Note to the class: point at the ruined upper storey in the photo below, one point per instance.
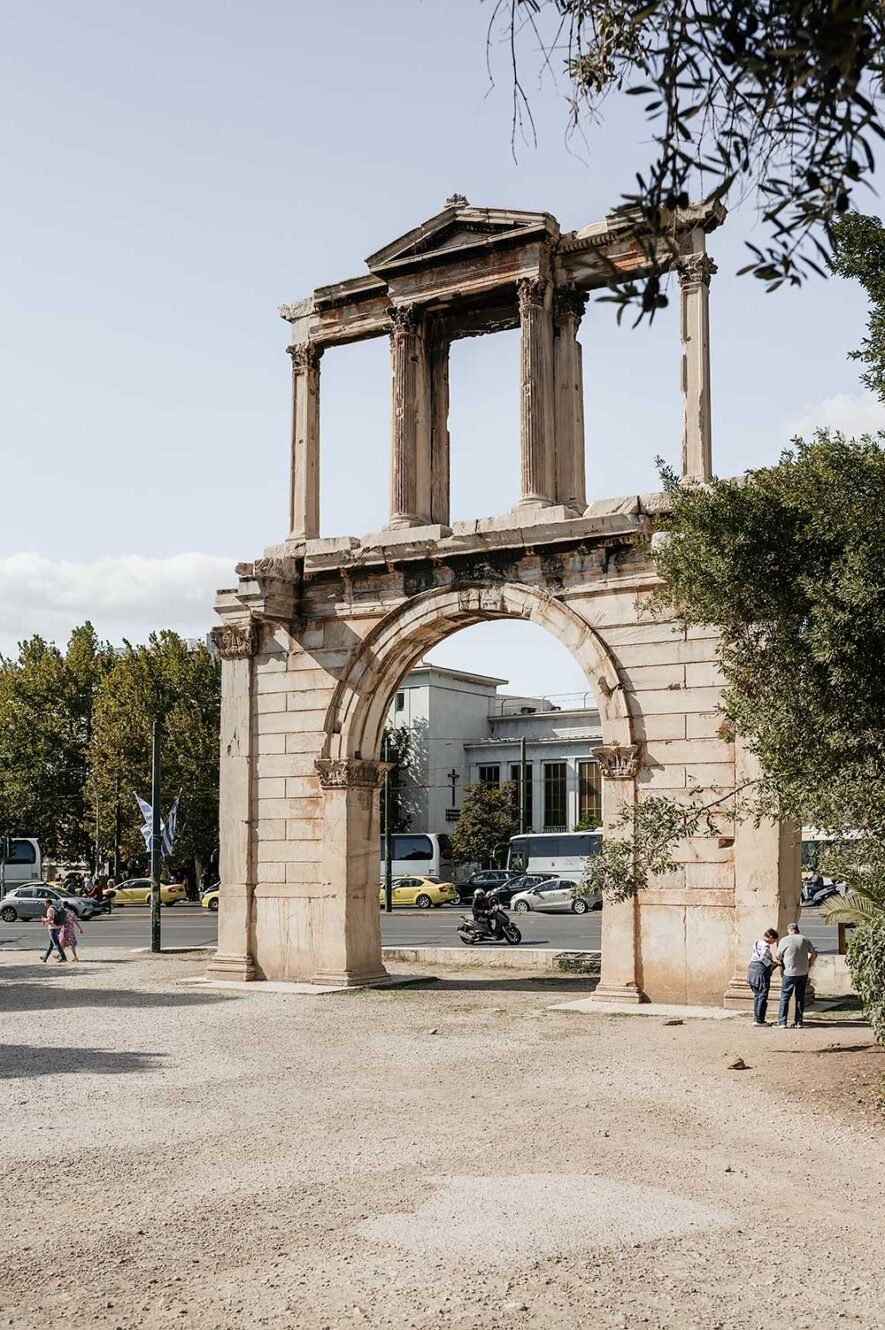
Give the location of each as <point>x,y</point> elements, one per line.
<point>470,271</point>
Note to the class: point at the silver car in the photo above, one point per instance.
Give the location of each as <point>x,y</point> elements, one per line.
<point>558,894</point>
<point>30,903</point>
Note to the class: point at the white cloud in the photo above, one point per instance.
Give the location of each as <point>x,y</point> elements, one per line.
<point>852,413</point>
<point>123,597</point>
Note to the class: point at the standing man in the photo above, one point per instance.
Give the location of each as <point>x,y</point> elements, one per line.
<point>796,955</point>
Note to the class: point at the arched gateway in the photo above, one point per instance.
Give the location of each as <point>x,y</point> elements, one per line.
<point>318,635</point>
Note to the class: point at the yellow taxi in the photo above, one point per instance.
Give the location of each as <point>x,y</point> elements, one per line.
<point>209,900</point>
<point>421,891</point>
<point>137,891</point>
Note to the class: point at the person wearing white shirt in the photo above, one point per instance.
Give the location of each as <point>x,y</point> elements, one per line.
<point>759,972</point>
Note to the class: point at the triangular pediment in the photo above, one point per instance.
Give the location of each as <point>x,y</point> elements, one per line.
<point>460,227</point>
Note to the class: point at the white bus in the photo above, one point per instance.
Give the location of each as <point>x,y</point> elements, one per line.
<point>563,853</point>
<point>426,854</point>
<point>24,865</point>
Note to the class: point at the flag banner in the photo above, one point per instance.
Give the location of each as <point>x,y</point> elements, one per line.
<point>169,828</point>
<point>147,829</point>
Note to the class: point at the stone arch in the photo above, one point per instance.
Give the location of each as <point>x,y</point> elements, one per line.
<point>356,715</point>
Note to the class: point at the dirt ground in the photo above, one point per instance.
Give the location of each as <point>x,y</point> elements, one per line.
<point>455,1155</point>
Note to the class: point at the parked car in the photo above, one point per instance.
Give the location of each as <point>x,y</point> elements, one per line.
<point>209,899</point>
<point>504,893</point>
<point>421,891</point>
<point>30,903</point>
<point>137,891</point>
<point>556,894</point>
<point>485,878</point>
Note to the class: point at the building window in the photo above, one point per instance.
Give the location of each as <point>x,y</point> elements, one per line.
<point>400,701</point>
<point>555,797</point>
<point>490,775</point>
<point>589,793</point>
<point>529,810</point>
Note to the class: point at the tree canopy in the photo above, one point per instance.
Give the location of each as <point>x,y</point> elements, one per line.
<point>782,99</point>
<point>75,736</point>
<point>489,817</point>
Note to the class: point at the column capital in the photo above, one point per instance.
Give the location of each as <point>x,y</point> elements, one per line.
<point>344,773</point>
<point>531,291</point>
<point>405,319</point>
<point>569,302</point>
<point>305,355</point>
<point>695,270</point>
<point>618,761</point>
<point>236,641</point>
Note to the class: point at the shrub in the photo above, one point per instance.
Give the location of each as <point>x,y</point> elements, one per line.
<point>866,962</point>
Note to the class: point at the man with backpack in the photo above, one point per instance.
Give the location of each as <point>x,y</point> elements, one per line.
<point>56,917</point>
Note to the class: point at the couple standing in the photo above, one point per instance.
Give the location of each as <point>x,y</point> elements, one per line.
<point>63,925</point>
<point>795,955</point>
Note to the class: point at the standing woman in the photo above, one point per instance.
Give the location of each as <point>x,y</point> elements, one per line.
<point>762,963</point>
<point>69,932</point>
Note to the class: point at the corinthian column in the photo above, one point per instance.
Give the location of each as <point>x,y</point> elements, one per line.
<point>537,439</point>
<point>695,271</point>
<point>304,492</point>
<point>410,472</point>
<point>620,978</point>
<point>568,308</point>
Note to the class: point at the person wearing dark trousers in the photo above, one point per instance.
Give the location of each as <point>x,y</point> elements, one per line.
<point>55,919</point>
<point>797,956</point>
<point>759,971</point>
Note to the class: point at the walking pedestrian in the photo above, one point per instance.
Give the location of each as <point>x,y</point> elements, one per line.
<point>54,919</point>
<point>797,955</point>
<point>759,972</point>
<point>69,932</point>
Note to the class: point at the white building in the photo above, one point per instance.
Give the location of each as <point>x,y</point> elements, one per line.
<point>464,730</point>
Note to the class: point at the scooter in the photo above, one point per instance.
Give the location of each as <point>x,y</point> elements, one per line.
<point>496,928</point>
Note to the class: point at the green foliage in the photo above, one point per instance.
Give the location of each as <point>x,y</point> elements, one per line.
<point>787,564</point>
<point>182,687</point>
<point>642,841</point>
<point>859,252</point>
<point>866,962</point>
<point>489,817</point>
<point>405,746</point>
<point>46,705</point>
<point>588,823</point>
<point>784,97</point>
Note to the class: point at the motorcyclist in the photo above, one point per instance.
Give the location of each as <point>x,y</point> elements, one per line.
<point>485,914</point>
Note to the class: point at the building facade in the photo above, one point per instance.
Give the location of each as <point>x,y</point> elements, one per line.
<point>464,730</point>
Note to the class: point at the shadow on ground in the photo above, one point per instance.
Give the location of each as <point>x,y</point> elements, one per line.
<point>499,983</point>
<point>21,1061</point>
<point>24,988</point>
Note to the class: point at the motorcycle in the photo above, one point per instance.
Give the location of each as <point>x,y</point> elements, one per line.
<point>814,895</point>
<point>496,927</point>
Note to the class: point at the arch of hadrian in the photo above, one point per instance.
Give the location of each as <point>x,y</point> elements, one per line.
<point>318,634</point>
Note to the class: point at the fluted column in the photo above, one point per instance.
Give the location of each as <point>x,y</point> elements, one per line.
<point>695,271</point>
<point>537,427</point>
<point>304,491</point>
<point>236,645</point>
<point>568,310</point>
<point>439,429</point>
<point>410,471</point>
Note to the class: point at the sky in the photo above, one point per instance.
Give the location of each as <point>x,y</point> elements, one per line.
<point>175,172</point>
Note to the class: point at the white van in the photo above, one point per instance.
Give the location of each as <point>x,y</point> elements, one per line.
<point>24,865</point>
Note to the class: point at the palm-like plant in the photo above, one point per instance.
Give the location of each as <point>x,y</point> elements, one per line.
<point>857,907</point>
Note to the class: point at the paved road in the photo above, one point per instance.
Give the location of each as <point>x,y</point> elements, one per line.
<point>188,925</point>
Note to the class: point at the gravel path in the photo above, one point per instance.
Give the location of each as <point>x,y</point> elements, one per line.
<point>447,1156</point>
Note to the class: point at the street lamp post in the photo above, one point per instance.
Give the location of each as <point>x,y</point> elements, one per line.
<point>156,846</point>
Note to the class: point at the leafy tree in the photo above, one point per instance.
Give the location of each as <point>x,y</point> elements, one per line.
<point>782,97</point>
<point>489,817</point>
<point>787,564</point>
<point>182,687</point>
<point>402,745</point>
<point>46,702</point>
<point>860,253</point>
